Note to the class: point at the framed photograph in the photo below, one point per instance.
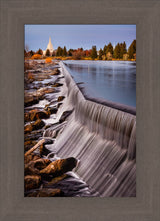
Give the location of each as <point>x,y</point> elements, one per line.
<point>74,84</point>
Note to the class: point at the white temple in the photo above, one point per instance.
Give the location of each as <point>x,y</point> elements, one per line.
<point>49,46</point>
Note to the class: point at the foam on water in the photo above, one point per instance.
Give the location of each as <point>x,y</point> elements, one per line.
<point>103,139</point>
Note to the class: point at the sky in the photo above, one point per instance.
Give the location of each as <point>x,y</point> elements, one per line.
<point>77,36</point>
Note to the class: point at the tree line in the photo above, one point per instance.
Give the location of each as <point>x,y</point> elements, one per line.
<point>107,53</point>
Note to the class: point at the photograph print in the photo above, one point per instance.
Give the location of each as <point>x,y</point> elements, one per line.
<point>80,110</point>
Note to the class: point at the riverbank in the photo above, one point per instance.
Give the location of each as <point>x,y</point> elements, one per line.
<point>46,114</point>
<point>60,58</point>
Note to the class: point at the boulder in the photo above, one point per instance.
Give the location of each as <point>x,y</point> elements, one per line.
<point>38,124</point>
<point>31,157</point>
<point>56,71</point>
<point>28,144</point>
<point>32,182</point>
<point>33,167</point>
<point>51,110</point>
<point>30,170</point>
<point>57,85</point>
<point>59,167</point>
<point>59,104</point>
<point>60,98</point>
<point>43,150</point>
<point>65,115</point>
<point>30,100</point>
<point>55,180</point>
<point>28,128</point>
<point>42,115</point>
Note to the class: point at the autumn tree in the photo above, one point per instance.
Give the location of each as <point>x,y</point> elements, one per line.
<point>78,54</point>
<point>70,51</point>
<point>88,53</point>
<point>39,52</point>
<point>31,53</point>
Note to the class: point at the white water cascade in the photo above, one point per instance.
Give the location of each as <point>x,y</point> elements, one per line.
<point>103,139</point>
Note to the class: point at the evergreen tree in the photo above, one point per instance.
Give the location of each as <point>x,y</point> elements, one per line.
<point>39,52</point>
<point>100,54</point>
<point>94,52</point>
<point>123,49</point>
<point>31,53</point>
<point>109,48</point>
<point>59,51</point>
<point>47,52</point>
<point>70,51</point>
<point>132,49</point>
<point>64,51</point>
<point>117,51</point>
<point>105,49</point>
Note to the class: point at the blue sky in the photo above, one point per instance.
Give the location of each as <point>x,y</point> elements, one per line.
<point>77,36</point>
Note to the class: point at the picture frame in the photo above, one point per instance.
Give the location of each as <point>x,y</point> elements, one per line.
<point>14,15</point>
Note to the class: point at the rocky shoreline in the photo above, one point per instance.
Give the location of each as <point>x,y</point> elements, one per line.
<point>45,116</point>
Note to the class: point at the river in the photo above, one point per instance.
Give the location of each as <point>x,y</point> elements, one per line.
<point>113,81</point>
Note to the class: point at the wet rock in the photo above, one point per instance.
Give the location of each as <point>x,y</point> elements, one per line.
<point>28,144</point>
<point>31,157</point>
<point>33,167</point>
<point>49,90</point>
<point>56,180</point>
<point>59,167</point>
<point>60,98</point>
<point>33,136</point>
<point>59,104</point>
<point>30,170</point>
<point>56,71</point>
<point>28,128</point>
<point>36,114</point>
<point>47,126</point>
<point>38,124</point>
<point>32,182</point>
<point>57,85</point>
<point>30,100</point>
<point>65,115</point>
<point>26,117</point>
<point>42,115</point>
<point>52,110</point>
<point>41,163</point>
<point>43,150</point>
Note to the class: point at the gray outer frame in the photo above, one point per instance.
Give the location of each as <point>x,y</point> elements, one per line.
<point>14,14</point>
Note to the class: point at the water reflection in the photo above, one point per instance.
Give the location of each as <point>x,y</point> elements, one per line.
<point>110,80</point>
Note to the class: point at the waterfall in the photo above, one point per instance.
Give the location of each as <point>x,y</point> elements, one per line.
<point>103,139</point>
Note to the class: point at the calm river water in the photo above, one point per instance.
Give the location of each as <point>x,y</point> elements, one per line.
<point>110,80</point>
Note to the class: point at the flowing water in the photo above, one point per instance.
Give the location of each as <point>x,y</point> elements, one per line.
<point>103,139</point>
<point>111,80</point>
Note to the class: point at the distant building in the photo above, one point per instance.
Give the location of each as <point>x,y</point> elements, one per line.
<point>50,47</point>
